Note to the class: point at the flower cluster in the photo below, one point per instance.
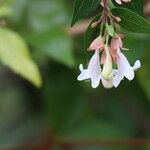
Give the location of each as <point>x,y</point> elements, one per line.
<point>108,64</point>
<point>109,53</point>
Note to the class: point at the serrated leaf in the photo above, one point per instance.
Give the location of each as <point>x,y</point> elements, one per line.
<point>134,5</point>
<point>15,54</point>
<point>132,21</point>
<point>83,8</point>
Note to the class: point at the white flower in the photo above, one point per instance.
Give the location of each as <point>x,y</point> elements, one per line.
<point>93,72</point>
<point>110,77</point>
<point>107,67</point>
<point>124,69</point>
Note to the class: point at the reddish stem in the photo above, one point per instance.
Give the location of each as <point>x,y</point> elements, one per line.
<point>105,10</point>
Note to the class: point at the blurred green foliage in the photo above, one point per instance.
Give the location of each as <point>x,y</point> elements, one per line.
<point>64,107</point>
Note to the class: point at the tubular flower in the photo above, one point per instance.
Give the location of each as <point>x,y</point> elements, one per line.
<point>93,72</point>
<point>124,68</point>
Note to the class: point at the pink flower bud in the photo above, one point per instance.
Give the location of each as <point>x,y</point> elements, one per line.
<point>98,43</point>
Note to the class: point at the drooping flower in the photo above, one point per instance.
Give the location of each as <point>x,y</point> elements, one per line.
<point>110,53</point>
<point>124,67</point>
<point>93,72</point>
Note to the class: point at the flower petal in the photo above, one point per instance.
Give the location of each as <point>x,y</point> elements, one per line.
<point>137,65</point>
<point>95,81</point>
<point>118,1</point>
<point>116,42</point>
<point>97,44</point>
<point>93,71</point>
<point>84,73</point>
<point>126,1</point>
<point>118,76</point>
<point>103,57</point>
<point>117,79</point>
<point>124,66</point>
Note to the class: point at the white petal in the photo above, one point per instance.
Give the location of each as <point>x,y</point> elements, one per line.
<point>93,71</point>
<point>119,1</point>
<point>95,81</point>
<point>81,67</point>
<point>114,71</point>
<point>124,67</point>
<point>94,63</point>
<point>137,65</point>
<point>117,79</point>
<point>83,75</point>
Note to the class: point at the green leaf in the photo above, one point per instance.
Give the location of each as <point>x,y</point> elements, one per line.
<point>19,11</point>
<point>5,11</point>
<point>143,74</point>
<point>48,34</point>
<point>52,14</point>
<point>131,21</point>
<point>55,44</point>
<point>5,2</point>
<point>15,54</point>
<point>134,5</point>
<point>83,8</point>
